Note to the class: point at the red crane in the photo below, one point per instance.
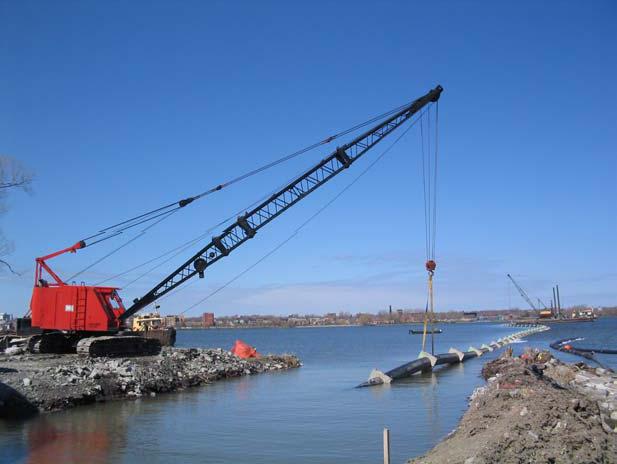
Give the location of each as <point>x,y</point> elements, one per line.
<point>91,319</point>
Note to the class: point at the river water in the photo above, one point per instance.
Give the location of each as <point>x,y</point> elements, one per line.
<point>307,415</point>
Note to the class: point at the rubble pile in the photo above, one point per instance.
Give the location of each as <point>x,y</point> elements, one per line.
<point>597,385</point>
<point>535,408</point>
<point>54,382</point>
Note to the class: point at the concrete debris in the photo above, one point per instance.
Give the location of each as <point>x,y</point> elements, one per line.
<point>14,350</point>
<point>535,408</point>
<point>52,382</point>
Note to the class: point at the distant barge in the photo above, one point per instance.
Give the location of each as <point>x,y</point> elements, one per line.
<point>420,332</point>
<point>553,320</point>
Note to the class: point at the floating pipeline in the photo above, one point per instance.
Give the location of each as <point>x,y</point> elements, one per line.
<point>427,362</point>
<point>561,345</point>
<point>565,346</point>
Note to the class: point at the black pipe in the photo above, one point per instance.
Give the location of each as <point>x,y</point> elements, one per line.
<point>410,368</point>
<point>587,353</point>
<point>424,363</point>
<point>558,345</point>
<point>421,364</point>
<point>595,350</point>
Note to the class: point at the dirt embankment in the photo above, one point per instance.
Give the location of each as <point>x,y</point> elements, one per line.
<point>40,383</point>
<point>535,409</point>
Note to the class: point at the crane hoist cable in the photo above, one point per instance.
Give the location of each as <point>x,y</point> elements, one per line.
<point>429,183</point>
<point>173,252</point>
<point>295,233</point>
<point>305,223</point>
<point>180,248</point>
<point>125,244</point>
<point>247,225</point>
<point>166,211</point>
<point>116,229</point>
<point>186,245</point>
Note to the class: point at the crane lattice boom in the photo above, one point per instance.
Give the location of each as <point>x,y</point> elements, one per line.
<point>249,223</point>
<point>522,292</point>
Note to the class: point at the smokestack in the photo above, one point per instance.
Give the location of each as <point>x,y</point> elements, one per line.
<point>554,303</point>
<point>558,300</point>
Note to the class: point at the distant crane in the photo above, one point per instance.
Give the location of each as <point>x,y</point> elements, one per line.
<point>522,292</point>
<point>541,302</point>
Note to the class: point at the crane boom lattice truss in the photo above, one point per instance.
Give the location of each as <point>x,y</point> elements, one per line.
<point>523,293</point>
<point>249,223</point>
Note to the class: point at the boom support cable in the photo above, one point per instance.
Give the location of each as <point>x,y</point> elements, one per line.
<point>304,224</point>
<point>125,244</point>
<point>294,234</point>
<point>250,222</point>
<point>116,229</point>
<point>181,248</point>
<point>166,211</point>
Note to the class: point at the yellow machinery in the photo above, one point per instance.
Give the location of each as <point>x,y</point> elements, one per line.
<point>146,322</point>
<point>152,326</point>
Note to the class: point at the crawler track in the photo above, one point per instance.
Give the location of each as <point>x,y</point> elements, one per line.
<point>116,346</point>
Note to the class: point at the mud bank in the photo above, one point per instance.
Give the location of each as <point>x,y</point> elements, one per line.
<point>30,384</point>
<point>535,409</point>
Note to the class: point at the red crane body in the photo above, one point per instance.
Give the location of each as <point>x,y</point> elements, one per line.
<point>59,306</point>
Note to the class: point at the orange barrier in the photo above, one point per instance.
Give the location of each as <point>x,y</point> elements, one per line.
<point>244,351</point>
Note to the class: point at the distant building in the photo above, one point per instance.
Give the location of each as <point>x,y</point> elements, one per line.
<point>173,321</point>
<point>207,319</point>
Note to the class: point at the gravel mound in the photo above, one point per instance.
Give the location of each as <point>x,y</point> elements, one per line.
<point>536,409</point>
<point>56,382</point>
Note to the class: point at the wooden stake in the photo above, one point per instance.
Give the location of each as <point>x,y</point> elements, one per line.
<point>386,446</point>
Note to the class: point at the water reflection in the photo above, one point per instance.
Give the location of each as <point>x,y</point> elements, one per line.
<point>91,438</point>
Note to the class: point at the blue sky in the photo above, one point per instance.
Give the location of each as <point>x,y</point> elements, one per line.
<point>120,107</point>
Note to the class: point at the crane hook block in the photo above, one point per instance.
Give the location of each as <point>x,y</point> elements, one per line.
<point>200,265</point>
<point>246,227</point>
<point>343,157</point>
<point>431,265</point>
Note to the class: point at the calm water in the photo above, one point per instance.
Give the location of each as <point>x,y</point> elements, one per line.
<point>312,414</point>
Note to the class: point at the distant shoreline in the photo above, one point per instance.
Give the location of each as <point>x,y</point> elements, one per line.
<point>336,325</point>
<point>404,324</point>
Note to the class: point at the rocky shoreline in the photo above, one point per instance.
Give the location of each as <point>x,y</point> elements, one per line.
<point>535,408</point>
<point>34,383</point>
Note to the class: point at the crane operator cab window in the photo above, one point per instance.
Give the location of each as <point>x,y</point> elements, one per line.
<point>114,301</point>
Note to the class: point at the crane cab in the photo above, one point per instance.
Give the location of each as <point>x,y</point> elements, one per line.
<point>76,308</point>
<point>58,306</point>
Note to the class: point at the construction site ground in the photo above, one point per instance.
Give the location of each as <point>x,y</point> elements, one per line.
<point>535,409</point>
